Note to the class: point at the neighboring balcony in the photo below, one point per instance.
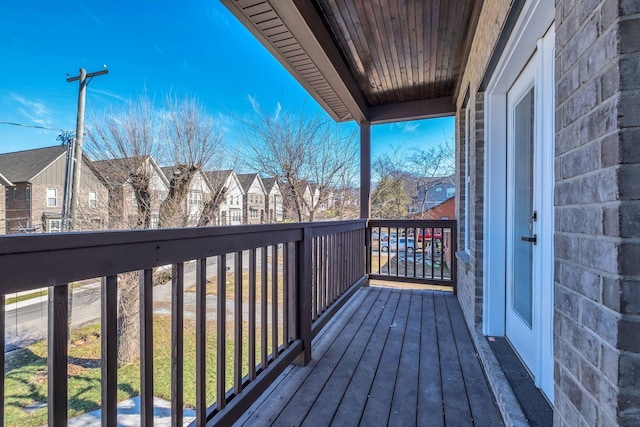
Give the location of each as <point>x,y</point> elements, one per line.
<point>241,304</point>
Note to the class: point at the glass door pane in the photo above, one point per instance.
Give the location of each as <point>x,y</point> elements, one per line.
<point>523,207</point>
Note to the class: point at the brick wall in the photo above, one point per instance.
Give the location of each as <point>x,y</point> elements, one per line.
<point>597,276</point>
<point>470,267</point>
<point>16,211</point>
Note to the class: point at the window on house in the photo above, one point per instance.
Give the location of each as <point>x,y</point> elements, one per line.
<point>27,193</point>
<point>93,199</point>
<point>52,197</point>
<point>134,199</point>
<point>54,226</point>
<point>160,197</point>
<point>451,192</point>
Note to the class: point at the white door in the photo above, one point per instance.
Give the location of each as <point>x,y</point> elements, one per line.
<point>522,216</point>
<point>519,208</point>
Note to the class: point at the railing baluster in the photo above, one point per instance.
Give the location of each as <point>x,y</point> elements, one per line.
<point>315,277</point>
<point>177,343</point>
<point>58,352</point>
<point>237,324</point>
<point>264,323</point>
<point>433,253</point>
<point>109,351</point>
<point>201,341</point>
<point>324,263</point>
<point>221,314</point>
<point>285,296</point>
<point>274,301</point>
<point>252,314</point>
<point>146,348</point>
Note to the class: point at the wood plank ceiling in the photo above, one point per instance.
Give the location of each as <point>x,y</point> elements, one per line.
<point>368,60</point>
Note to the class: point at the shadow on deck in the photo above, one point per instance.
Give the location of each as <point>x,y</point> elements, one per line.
<point>390,357</point>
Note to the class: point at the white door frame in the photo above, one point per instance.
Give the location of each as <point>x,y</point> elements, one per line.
<point>535,20</point>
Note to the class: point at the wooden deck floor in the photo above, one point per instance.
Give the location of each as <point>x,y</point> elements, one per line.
<point>399,357</point>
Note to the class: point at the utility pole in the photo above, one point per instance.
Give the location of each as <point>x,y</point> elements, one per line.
<point>83,79</point>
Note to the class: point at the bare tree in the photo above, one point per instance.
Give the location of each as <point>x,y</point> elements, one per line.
<point>432,166</point>
<point>298,150</point>
<point>124,145</point>
<point>192,144</point>
<point>121,144</point>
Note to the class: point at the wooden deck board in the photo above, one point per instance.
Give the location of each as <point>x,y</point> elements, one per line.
<point>404,406</point>
<point>336,386</point>
<point>430,408</point>
<point>390,357</point>
<point>299,405</point>
<point>474,380</point>
<point>359,389</point>
<point>378,406</point>
<point>454,396</point>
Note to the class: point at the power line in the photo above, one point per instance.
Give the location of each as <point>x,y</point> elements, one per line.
<point>30,126</point>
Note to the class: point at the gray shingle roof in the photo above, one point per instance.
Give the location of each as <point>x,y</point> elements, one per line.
<point>246,179</point>
<point>217,179</point>
<point>268,184</point>
<point>23,166</point>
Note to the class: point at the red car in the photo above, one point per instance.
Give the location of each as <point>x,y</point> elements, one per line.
<point>426,234</point>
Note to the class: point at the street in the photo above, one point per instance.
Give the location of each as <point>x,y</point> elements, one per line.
<point>26,322</point>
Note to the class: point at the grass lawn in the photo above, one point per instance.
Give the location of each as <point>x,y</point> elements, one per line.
<point>26,372</point>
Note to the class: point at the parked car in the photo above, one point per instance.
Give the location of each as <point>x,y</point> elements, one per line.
<point>426,234</point>
<point>402,244</point>
<point>380,236</point>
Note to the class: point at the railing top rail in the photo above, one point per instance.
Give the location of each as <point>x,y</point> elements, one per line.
<point>413,223</point>
<point>51,259</point>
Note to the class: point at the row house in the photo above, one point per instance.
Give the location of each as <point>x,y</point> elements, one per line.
<point>273,205</point>
<point>199,191</point>
<point>254,201</point>
<point>124,204</point>
<point>225,184</point>
<point>34,198</point>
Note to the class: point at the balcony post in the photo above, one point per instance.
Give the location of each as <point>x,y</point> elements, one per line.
<point>57,358</point>
<point>365,170</point>
<point>303,306</point>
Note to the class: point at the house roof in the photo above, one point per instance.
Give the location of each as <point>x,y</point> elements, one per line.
<point>5,182</point>
<point>117,171</point>
<point>269,184</point>
<point>247,180</point>
<point>218,178</point>
<point>444,210</point>
<point>24,166</point>
<point>113,171</point>
<point>375,61</point>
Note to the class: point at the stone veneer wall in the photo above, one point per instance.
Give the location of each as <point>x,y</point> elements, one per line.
<point>597,266</point>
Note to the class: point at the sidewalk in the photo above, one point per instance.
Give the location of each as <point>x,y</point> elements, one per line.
<point>129,415</point>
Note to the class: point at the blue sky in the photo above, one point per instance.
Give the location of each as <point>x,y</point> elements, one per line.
<point>195,48</point>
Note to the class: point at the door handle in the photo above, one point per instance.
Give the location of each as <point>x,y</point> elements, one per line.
<point>533,239</point>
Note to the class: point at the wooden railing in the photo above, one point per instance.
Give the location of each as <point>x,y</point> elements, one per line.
<point>287,281</point>
<point>420,251</point>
